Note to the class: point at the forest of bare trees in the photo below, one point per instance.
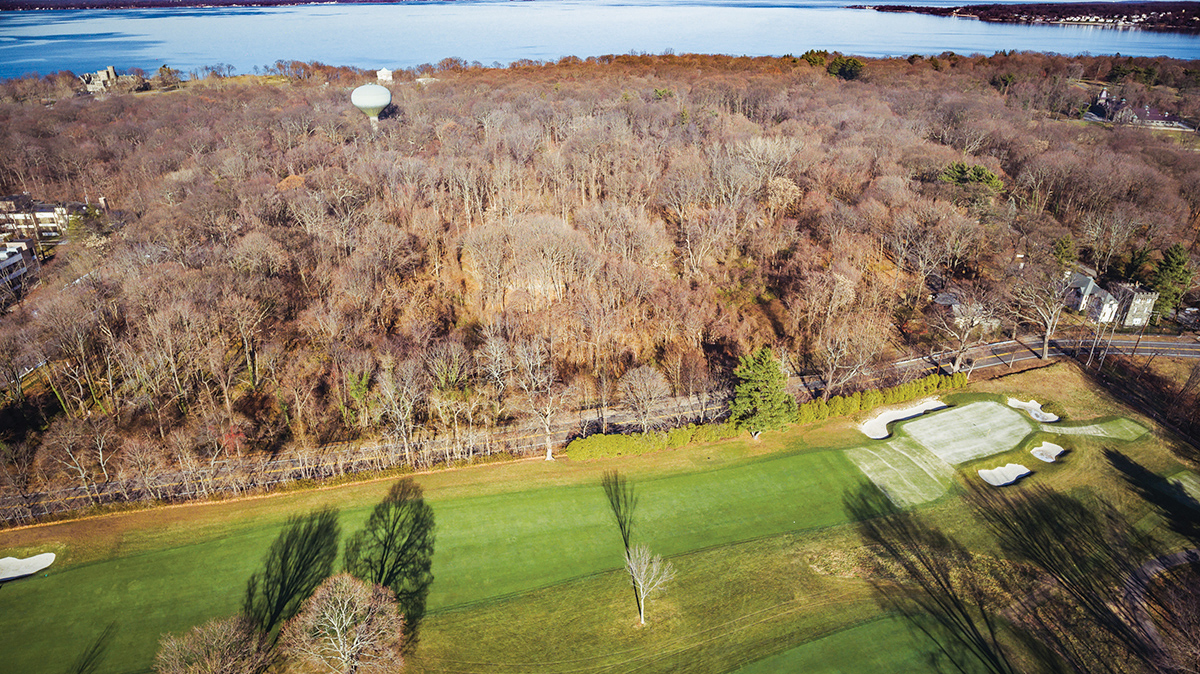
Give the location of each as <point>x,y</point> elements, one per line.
<point>519,244</point>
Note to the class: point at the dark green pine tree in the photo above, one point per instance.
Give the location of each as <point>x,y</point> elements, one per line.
<point>761,401</point>
<point>1172,278</point>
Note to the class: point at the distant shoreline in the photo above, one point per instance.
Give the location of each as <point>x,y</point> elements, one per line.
<point>1175,17</point>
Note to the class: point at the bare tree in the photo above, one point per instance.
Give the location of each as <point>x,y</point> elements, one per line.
<point>1038,293</point>
<point>650,575</point>
<point>402,387</point>
<point>347,627</point>
<point>542,392</point>
<point>1107,233</point>
<point>967,320</point>
<point>848,348</point>
<point>219,646</point>
<point>642,388</point>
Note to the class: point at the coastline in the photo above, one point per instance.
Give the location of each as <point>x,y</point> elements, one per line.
<point>1173,17</point>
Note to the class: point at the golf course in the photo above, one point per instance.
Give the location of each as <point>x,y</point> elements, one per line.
<point>528,566</point>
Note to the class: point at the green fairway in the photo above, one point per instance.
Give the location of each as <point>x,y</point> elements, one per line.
<point>487,546</point>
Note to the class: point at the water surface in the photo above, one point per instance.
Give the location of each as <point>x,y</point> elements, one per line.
<point>499,31</point>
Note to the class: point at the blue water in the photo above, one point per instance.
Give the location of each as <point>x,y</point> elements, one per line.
<point>499,31</point>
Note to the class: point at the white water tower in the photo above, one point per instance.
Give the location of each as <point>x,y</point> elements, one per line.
<point>371,99</point>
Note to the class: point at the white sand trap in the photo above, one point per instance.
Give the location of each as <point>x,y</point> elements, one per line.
<point>998,477</point>
<point>11,567</point>
<point>1034,408</point>
<point>1047,451</point>
<point>876,426</point>
<point>970,432</point>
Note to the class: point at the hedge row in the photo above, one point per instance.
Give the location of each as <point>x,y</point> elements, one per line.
<point>601,446</point>
<point>841,406</point>
<point>606,446</point>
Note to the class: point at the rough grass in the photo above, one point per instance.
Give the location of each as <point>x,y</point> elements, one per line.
<point>882,646</point>
<point>728,606</point>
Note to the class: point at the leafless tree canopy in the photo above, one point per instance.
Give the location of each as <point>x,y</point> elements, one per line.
<point>650,574</point>
<point>271,277</point>
<point>346,627</point>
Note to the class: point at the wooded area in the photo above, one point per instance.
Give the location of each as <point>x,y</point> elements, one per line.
<point>522,243</point>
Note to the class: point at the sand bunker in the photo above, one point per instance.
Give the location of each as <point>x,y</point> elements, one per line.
<point>11,567</point>
<point>1047,451</point>
<point>998,477</point>
<point>1034,408</point>
<point>876,427</point>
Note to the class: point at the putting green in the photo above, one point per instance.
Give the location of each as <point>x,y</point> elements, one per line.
<point>913,466</point>
<point>487,547</point>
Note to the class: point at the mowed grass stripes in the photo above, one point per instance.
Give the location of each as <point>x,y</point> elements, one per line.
<point>488,546</point>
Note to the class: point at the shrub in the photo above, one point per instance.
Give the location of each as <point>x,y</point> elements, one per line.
<point>1055,408</point>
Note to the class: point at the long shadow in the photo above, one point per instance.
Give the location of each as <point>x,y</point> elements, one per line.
<point>1170,499</point>
<point>93,656</point>
<point>395,550</point>
<point>1083,553</point>
<point>928,578</point>
<point>297,562</point>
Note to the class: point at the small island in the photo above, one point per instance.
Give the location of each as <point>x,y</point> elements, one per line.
<point>1178,17</point>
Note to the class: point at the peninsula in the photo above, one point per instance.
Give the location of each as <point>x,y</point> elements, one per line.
<point>1182,17</point>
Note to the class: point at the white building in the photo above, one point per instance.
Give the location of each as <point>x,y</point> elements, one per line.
<point>384,75</point>
<point>17,267</point>
<point>25,218</point>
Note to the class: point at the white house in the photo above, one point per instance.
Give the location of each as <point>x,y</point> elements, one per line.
<point>17,265</point>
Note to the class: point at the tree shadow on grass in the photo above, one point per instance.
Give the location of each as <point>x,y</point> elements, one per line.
<point>1170,499</point>
<point>395,550</point>
<point>297,562</point>
<point>93,656</point>
<point>1080,553</point>
<point>927,577</point>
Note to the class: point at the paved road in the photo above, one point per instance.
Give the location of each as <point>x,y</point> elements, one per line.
<point>338,459</point>
<point>1137,584</point>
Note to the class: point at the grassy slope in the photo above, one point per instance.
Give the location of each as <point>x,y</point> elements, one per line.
<point>527,558</point>
<point>893,648</point>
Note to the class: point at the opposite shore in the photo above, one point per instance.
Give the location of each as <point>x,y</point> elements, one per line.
<point>1175,17</point>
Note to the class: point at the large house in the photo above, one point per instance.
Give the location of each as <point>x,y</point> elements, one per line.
<point>22,217</point>
<point>1121,112</point>
<point>1090,299</point>
<point>18,265</point>
<point>1137,302</point>
<point>104,80</point>
<point>1127,303</point>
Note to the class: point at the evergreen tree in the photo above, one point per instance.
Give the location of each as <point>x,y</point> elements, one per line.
<point>1135,266</point>
<point>1064,252</point>
<point>1172,278</point>
<point>760,400</point>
